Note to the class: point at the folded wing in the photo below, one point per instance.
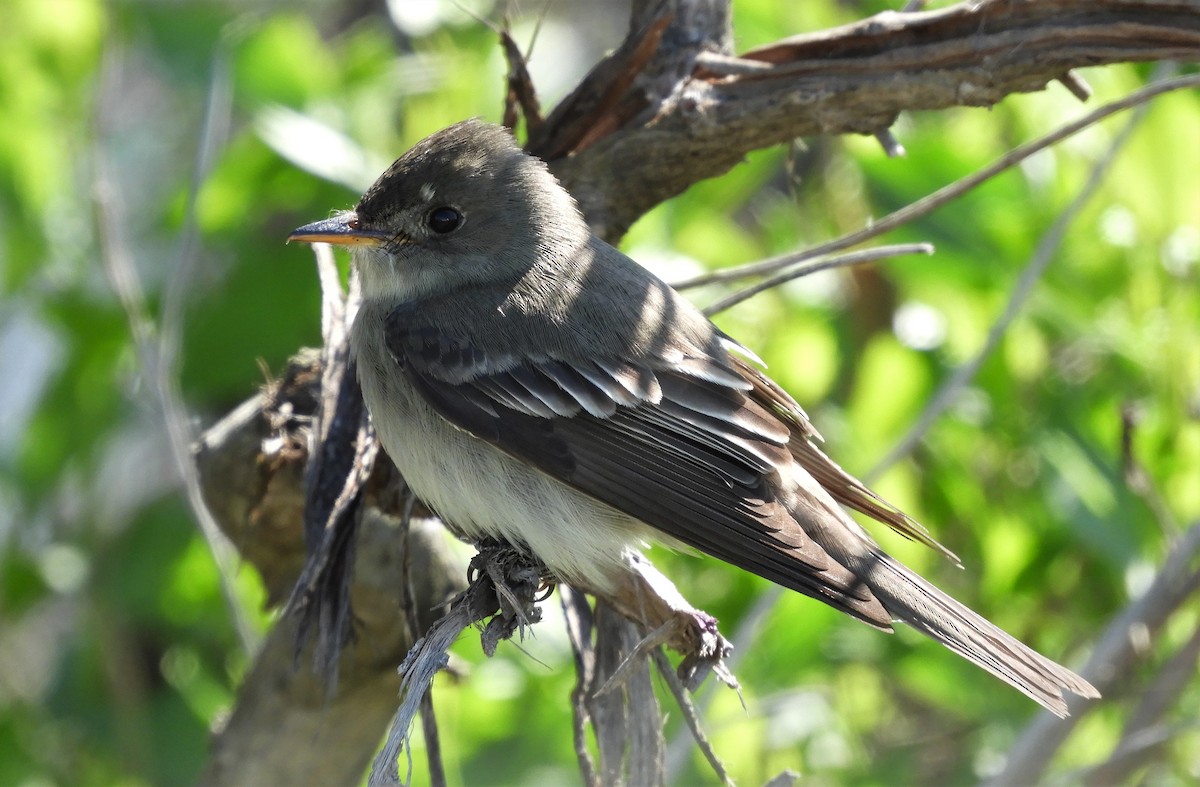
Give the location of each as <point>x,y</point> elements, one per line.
<point>676,441</point>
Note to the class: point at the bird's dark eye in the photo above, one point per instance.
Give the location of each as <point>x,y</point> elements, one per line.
<point>444,219</point>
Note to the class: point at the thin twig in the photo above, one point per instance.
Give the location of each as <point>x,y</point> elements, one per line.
<point>433,743</point>
<point>690,716</point>
<point>829,263</point>
<point>892,147</point>
<point>158,345</point>
<point>634,658</point>
<point>429,728</point>
<point>214,134</point>
<point>430,654</point>
<point>1077,85</point>
<point>750,627</point>
<point>579,621</point>
<point>948,391</point>
<point>425,659</point>
<point>945,194</point>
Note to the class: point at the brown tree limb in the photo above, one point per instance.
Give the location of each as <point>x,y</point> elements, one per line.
<point>703,108</point>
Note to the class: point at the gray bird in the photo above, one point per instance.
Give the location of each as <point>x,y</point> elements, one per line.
<point>535,385</point>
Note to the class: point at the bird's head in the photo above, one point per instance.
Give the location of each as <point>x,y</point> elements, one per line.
<point>463,207</point>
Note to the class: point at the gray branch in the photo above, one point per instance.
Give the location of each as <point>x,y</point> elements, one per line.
<point>286,726</point>
<point>1124,644</point>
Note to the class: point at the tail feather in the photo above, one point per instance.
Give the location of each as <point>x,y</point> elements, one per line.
<point>910,599</point>
<point>812,491</point>
<point>919,604</point>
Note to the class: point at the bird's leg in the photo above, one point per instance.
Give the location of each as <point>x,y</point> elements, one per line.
<point>506,581</point>
<point>652,601</point>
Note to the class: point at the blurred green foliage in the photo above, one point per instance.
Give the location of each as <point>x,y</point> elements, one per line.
<point>207,130</point>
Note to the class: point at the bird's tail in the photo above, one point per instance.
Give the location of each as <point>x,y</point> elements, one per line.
<point>895,591</point>
<point>911,599</point>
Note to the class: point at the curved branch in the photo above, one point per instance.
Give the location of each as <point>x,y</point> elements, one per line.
<point>694,110</point>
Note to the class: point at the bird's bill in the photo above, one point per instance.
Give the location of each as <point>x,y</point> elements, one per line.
<point>340,230</point>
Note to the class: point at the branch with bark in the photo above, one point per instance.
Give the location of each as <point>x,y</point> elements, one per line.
<point>673,105</point>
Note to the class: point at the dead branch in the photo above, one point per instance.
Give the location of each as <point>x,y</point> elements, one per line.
<point>695,109</point>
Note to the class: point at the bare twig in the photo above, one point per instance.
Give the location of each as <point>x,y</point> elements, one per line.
<point>493,567</point>
<point>433,744</point>
<point>1042,257</point>
<point>932,202</point>
<point>690,716</point>
<point>426,658</point>
<point>579,621</point>
<point>891,146</point>
<point>424,661</point>
<point>429,728</point>
<point>839,261</point>
<point>1077,85</point>
<point>157,345</point>
<point>634,658</point>
<point>214,133</point>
